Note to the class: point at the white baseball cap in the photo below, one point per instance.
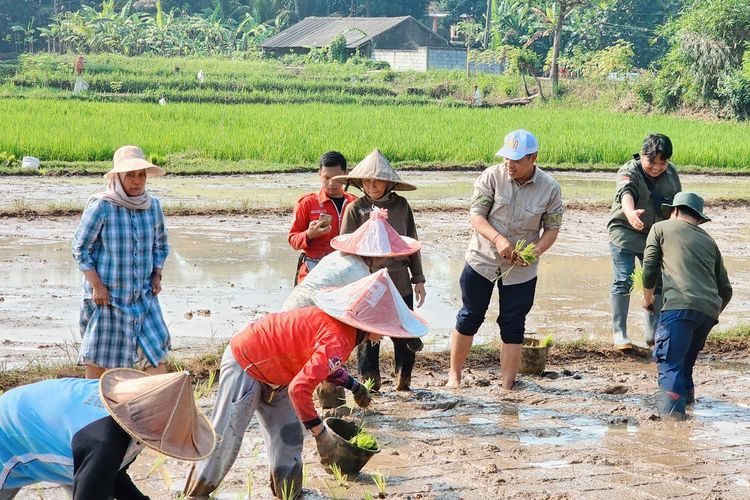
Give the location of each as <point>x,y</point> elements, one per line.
<point>518,144</point>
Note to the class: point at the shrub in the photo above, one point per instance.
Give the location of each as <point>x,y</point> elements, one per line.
<point>734,87</point>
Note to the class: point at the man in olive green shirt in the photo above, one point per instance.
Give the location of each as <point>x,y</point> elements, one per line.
<point>696,290</point>
<point>643,184</point>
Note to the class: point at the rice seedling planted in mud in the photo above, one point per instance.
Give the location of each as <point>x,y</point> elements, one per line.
<point>380,482</point>
<point>338,475</point>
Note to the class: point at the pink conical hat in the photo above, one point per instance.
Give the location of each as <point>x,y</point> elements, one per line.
<point>376,238</point>
<point>373,305</point>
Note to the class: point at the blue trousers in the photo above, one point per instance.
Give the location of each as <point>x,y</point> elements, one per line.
<point>515,303</point>
<point>680,337</point>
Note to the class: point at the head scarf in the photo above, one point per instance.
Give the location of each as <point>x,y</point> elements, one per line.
<point>115,194</point>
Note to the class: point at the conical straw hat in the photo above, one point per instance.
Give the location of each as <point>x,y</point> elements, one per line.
<point>375,166</point>
<point>159,411</point>
<point>373,305</point>
<point>129,158</point>
<point>376,238</point>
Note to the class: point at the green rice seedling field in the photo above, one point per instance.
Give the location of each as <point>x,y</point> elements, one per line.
<point>296,134</point>
<point>236,81</point>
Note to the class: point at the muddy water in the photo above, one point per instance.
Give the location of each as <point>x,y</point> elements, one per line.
<point>224,271</point>
<point>282,190</point>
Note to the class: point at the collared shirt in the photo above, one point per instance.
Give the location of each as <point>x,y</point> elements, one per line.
<point>124,246</point>
<point>648,194</point>
<point>516,211</point>
<point>309,208</point>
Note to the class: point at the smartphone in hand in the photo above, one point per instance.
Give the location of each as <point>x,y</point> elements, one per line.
<point>324,220</point>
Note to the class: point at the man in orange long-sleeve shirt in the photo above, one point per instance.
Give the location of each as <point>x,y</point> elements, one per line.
<point>271,368</point>
<point>317,216</point>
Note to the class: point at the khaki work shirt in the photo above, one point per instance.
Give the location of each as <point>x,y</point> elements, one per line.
<point>517,212</point>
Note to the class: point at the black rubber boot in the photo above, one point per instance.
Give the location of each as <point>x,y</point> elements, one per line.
<point>404,360</point>
<point>368,363</point>
<point>670,405</point>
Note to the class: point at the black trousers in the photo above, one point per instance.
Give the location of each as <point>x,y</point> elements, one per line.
<point>98,452</point>
<point>368,355</point>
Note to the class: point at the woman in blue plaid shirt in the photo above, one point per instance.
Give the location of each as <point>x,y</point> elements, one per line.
<point>120,246</point>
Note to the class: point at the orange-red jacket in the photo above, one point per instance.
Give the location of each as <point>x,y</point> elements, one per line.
<point>308,209</point>
<point>298,348</point>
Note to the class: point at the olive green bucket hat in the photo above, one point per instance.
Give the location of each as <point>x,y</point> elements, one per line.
<point>689,200</point>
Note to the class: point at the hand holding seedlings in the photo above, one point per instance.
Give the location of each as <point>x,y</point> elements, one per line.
<point>503,246</point>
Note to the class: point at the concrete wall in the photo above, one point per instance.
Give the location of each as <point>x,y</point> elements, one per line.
<point>403,60</point>
<point>493,68</point>
<point>422,59</point>
<point>446,58</point>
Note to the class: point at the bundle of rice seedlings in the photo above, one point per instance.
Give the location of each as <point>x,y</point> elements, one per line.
<point>527,252</point>
<point>546,341</point>
<point>637,278</point>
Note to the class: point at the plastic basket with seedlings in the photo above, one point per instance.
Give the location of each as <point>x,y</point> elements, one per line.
<point>364,439</point>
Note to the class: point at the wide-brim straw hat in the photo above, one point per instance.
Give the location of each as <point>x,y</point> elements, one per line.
<point>373,305</point>
<point>130,158</point>
<point>689,200</point>
<point>376,238</point>
<point>159,411</point>
<point>375,166</point>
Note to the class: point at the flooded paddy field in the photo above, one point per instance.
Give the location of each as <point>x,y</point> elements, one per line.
<point>586,429</point>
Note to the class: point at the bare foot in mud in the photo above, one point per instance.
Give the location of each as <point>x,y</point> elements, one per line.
<point>453,383</point>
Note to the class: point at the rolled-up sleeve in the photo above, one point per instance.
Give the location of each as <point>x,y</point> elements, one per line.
<point>161,242</point>
<point>626,183</point>
<point>553,214</point>
<point>484,195</point>
<point>87,234</point>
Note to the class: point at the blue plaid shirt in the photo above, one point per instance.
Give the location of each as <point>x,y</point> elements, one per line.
<point>124,246</point>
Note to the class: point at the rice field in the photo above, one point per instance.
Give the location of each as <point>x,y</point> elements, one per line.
<point>296,134</point>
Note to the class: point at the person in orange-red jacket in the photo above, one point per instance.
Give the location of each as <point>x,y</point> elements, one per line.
<point>317,216</point>
<point>271,368</point>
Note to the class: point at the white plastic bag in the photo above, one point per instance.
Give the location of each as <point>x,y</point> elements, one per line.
<point>80,86</point>
<point>30,163</point>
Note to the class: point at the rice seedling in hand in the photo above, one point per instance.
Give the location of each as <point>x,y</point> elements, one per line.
<point>525,251</point>
<point>637,278</point>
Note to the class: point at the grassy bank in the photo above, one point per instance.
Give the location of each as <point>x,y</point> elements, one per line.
<point>734,340</point>
<point>297,134</point>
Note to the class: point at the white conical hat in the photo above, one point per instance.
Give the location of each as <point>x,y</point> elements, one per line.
<point>376,238</point>
<point>373,305</point>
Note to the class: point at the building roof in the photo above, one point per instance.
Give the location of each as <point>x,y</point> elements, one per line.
<point>320,31</point>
